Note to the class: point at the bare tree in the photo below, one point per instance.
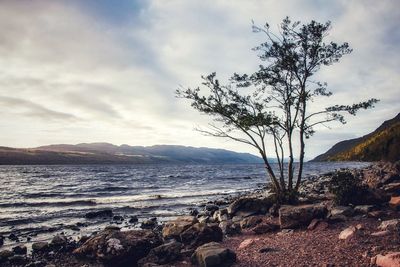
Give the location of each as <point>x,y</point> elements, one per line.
<point>276,101</point>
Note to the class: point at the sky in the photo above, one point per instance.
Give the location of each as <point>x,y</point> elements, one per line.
<point>105,71</point>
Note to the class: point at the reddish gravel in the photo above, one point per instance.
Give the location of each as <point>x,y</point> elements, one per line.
<point>314,248</point>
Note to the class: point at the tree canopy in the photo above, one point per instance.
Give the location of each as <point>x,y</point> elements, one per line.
<point>275,102</point>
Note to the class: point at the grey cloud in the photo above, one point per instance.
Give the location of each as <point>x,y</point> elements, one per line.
<point>30,109</point>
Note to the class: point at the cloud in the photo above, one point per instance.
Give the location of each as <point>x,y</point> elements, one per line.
<point>116,66</point>
<point>30,109</point>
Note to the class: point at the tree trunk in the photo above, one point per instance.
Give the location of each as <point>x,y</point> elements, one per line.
<point>290,164</point>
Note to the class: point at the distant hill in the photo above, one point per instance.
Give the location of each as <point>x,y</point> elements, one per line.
<point>105,153</point>
<point>381,144</point>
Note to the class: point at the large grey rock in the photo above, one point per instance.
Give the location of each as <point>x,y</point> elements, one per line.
<point>213,255</point>
<point>5,254</point>
<point>59,241</point>
<point>201,233</point>
<point>251,221</point>
<point>264,227</point>
<point>341,211</point>
<point>175,228</point>
<point>40,246</point>
<point>20,250</point>
<point>119,247</point>
<point>163,254</point>
<point>297,216</point>
<point>230,228</point>
<point>250,205</point>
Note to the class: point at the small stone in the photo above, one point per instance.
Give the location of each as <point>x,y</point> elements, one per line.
<point>118,218</point>
<point>391,225</point>
<point>313,224</point>
<point>100,213</point>
<point>265,250</point>
<point>347,233</point>
<point>381,233</point>
<point>394,202</point>
<point>359,226</point>
<point>341,210</point>
<point>388,260</point>
<point>247,242</point>
<point>13,237</point>
<point>363,209</point>
<point>133,219</point>
<point>285,232</point>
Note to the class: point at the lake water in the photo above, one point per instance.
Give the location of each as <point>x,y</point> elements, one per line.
<point>39,201</point>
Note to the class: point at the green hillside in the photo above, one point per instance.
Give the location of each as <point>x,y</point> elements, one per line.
<point>382,144</point>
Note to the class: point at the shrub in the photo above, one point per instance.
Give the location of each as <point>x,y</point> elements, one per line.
<point>346,188</point>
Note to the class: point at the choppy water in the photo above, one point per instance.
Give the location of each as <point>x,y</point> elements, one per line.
<point>39,201</point>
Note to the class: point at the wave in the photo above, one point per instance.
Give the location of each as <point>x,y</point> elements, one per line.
<point>49,203</point>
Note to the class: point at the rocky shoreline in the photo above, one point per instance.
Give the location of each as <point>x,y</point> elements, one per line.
<point>250,230</point>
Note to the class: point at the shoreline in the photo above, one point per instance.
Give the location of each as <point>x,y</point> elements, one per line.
<point>213,210</point>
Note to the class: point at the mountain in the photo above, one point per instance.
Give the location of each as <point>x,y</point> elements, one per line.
<point>105,153</point>
<point>381,144</point>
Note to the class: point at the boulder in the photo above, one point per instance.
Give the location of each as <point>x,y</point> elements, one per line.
<point>175,228</point>
<point>133,219</point>
<point>59,241</point>
<point>5,254</point>
<point>388,260</point>
<point>201,233</point>
<point>347,233</point>
<point>213,255</point>
<point>163,254</point>
<point>230,228</point>
<point>100,213</point>
<point>390,225</point>
<point>264,227</point>
<point>149,224</point>
<point>119,247</point>
<point>40,246</point>
<point>297,216</point>
<point>20,250</point>
<point>18,260</point>
<point>251,221</point>
<point>250,205</point>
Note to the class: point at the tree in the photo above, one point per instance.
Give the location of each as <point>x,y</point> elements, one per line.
<point>277,100</point>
